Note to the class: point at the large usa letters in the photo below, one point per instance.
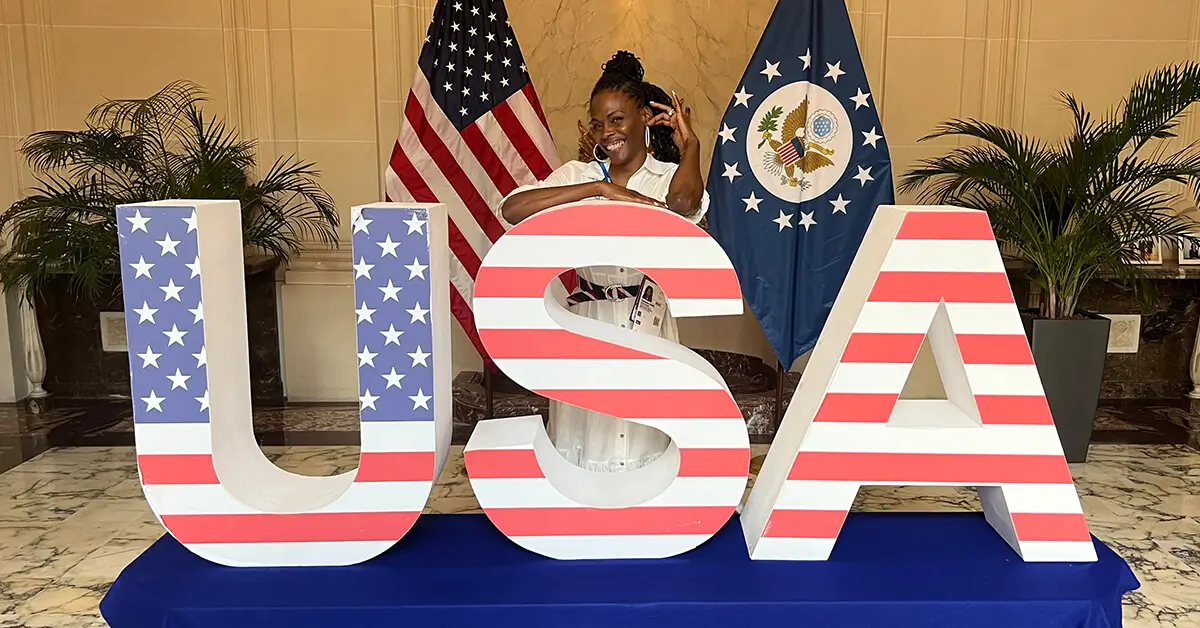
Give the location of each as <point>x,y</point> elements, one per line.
<point>922,273</point>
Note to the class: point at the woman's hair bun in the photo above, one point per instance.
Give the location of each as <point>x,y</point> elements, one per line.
<point>626,64</point>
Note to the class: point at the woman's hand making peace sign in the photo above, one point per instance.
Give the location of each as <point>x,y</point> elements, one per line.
<point>675,116</point>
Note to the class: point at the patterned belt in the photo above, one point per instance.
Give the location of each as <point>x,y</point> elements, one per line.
<point>589,291</point>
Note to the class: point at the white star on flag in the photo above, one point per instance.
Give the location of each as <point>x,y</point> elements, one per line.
<point>752,202</point>
<point>771,71</point>
<point>864,175</point>
<point>784,220</point>
<point>743,99</point>
<point>726,134</point>
<point>835,70</point>
<point>871,137</point>
<point>860,99</point>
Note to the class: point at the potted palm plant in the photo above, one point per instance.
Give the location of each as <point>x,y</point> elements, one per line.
<point>1073,210</point>
<point>133,150</point>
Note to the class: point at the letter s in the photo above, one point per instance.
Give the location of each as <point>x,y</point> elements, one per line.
<point>529,491</point>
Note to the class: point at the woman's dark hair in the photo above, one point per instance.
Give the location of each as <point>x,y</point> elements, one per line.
<point>623,73</point>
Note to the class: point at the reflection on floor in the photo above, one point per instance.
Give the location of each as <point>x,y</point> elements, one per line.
<point>110,423</point>
<point>72,518</point>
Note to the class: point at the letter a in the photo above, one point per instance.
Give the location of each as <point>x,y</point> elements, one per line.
<point>921,272</point>
<point>207,481</point>
<point>534,495</point>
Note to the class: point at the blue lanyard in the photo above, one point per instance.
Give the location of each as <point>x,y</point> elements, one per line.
<point>604,170</point>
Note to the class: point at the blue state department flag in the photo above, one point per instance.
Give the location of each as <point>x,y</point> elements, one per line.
<point>799,167</point>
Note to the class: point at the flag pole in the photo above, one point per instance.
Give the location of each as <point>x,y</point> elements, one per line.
<point>488,393</point>
<point>779,379</point>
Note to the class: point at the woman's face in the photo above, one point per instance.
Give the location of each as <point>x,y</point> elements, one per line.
<point>618,126</point>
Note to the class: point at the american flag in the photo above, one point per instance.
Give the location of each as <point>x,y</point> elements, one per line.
<point>473,130</point>
<point>396,306</point>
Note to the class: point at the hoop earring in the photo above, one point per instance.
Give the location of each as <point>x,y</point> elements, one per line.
<point>647,137</point>
<point>596,155</point>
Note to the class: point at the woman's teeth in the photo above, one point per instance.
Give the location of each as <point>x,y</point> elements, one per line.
<point>614,145</point>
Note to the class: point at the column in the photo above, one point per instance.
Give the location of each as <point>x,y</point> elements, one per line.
<point>1191,132</point>
<point>23,84</point>
<point>1193,417</point>
<point>35,358</point>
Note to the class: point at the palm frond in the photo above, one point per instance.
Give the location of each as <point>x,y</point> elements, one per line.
<point>1077,208</point>
<point>158,116</point>
<point>1156,102</point>
<point>145,149</point>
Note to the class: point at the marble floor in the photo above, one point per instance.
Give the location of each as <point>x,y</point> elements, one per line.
<point>72,518</point>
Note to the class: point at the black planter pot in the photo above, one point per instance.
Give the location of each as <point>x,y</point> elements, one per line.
<point>1070,357</point>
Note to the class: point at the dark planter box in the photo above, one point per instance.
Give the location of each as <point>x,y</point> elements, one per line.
<point>77,367</point>
<point>1070,356</point>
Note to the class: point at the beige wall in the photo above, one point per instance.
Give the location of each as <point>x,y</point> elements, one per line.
<point>326,79</point>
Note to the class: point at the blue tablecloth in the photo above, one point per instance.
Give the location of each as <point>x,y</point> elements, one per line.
<point>926,570</point>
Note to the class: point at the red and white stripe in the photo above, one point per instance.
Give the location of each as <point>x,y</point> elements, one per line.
<point>470,171</point>
<point>354,517</point>
<point>950,259</point>
<point>625,379</point>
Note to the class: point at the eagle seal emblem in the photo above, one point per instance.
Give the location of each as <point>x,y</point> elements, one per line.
<point>801,143</point>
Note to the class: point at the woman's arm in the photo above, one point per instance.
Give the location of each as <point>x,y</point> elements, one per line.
<point>522,205</point>
<point>687,186</point>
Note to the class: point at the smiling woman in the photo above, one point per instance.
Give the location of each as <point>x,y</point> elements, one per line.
<point>645,153</point>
